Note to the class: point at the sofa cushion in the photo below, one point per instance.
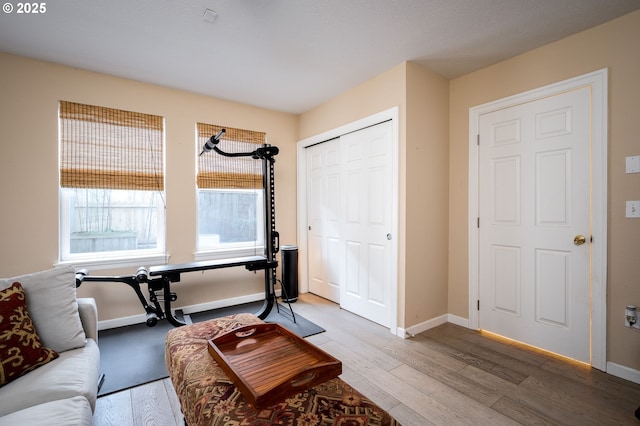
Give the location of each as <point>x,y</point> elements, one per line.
<point>20,347</point>
<point>64,412</point>
<point>51,301</point>
<point>74,373</point>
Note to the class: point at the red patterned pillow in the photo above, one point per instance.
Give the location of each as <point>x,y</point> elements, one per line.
<point>20,347</point>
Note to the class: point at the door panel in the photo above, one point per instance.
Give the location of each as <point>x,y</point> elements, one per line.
<point>316,243</point>
<point>353,260</point>
<point>377,264</point>
<point>552,286</point>
<point>507,279</point>
<point>506,187</point>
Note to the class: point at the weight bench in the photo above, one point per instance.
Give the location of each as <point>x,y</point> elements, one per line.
<point>159,279</point>
<point>208,397</point>
<point>171,273</point>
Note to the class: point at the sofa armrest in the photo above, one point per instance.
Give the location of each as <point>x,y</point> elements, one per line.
<point>89,317</point>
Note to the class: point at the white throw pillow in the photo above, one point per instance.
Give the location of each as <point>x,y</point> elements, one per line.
<point>52,305</point>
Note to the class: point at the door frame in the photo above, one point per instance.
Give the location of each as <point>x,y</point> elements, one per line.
<point>386,115</point>
<point>598,83</point>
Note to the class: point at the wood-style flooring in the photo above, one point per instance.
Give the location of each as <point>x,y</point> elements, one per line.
<point>448,375</point>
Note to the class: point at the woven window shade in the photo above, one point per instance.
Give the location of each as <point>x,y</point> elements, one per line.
<point>219,172</point>
<point>110,149</point>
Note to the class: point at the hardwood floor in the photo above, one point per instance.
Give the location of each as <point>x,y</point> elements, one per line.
<point>448,375</point>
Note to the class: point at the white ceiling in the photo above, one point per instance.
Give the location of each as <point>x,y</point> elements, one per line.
<point>290,55</point>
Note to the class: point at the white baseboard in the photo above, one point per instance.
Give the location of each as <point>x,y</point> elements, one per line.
<point>454,319</point>
<point>623,372</point>
<point>423,326</point>
<point>429,324</point>
<point>216,304</point>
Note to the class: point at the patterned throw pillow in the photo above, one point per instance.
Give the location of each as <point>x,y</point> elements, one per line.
<point>20,347</point>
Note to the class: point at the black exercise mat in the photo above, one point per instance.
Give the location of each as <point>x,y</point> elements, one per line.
<point>134,355</point>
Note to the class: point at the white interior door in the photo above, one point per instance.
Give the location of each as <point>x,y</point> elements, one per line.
<point>367,222</point>
<point>323,215</point>
<point>534,204</point>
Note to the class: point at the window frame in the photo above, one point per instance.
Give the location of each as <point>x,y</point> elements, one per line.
<point>107,259</point>
<point>231,250</point>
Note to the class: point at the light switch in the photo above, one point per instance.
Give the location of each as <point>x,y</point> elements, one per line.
<point>633,164</point>
<point>633,208</point>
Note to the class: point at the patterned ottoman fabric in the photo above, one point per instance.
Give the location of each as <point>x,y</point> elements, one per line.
<point>208,397</point>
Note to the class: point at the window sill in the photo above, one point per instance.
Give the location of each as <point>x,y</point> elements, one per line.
<point>118,262</point>
<point>228,253</point>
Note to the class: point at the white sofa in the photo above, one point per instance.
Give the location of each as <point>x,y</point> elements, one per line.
<point>63,391</point>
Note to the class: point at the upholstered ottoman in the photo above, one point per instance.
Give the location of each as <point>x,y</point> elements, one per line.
<point>208,397</point>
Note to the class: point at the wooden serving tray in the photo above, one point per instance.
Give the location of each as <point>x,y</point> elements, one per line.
<point>268,363</point>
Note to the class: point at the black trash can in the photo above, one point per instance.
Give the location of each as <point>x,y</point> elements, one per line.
<point>289,273</point>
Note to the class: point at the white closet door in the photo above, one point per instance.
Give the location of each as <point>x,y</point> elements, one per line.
<point>366,184</point>
<point>323,210</point>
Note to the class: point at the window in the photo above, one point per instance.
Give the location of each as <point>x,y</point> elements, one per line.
<point>111,183</point>
<point>230,194</point>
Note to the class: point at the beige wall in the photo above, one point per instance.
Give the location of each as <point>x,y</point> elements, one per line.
<point>427,198</point>
<point>613,45</point>
<point>422,98</point>
<point>29,177</point>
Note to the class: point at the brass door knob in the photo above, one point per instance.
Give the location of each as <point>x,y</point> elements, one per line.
<point>579,240</point>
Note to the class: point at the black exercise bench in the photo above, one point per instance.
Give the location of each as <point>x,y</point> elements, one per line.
<point>171,273</point>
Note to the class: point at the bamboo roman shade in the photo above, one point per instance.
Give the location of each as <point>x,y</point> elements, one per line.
<point>216,171</point>
<point>108,148</point>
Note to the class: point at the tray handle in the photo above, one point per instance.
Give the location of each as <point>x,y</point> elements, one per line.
<point>306,377</point>
<point>242,334</point>
<point>301,381</point>
<point>251,330</point>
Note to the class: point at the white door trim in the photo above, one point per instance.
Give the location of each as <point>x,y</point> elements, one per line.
<point>598,83</point>
<point>390,114</point>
